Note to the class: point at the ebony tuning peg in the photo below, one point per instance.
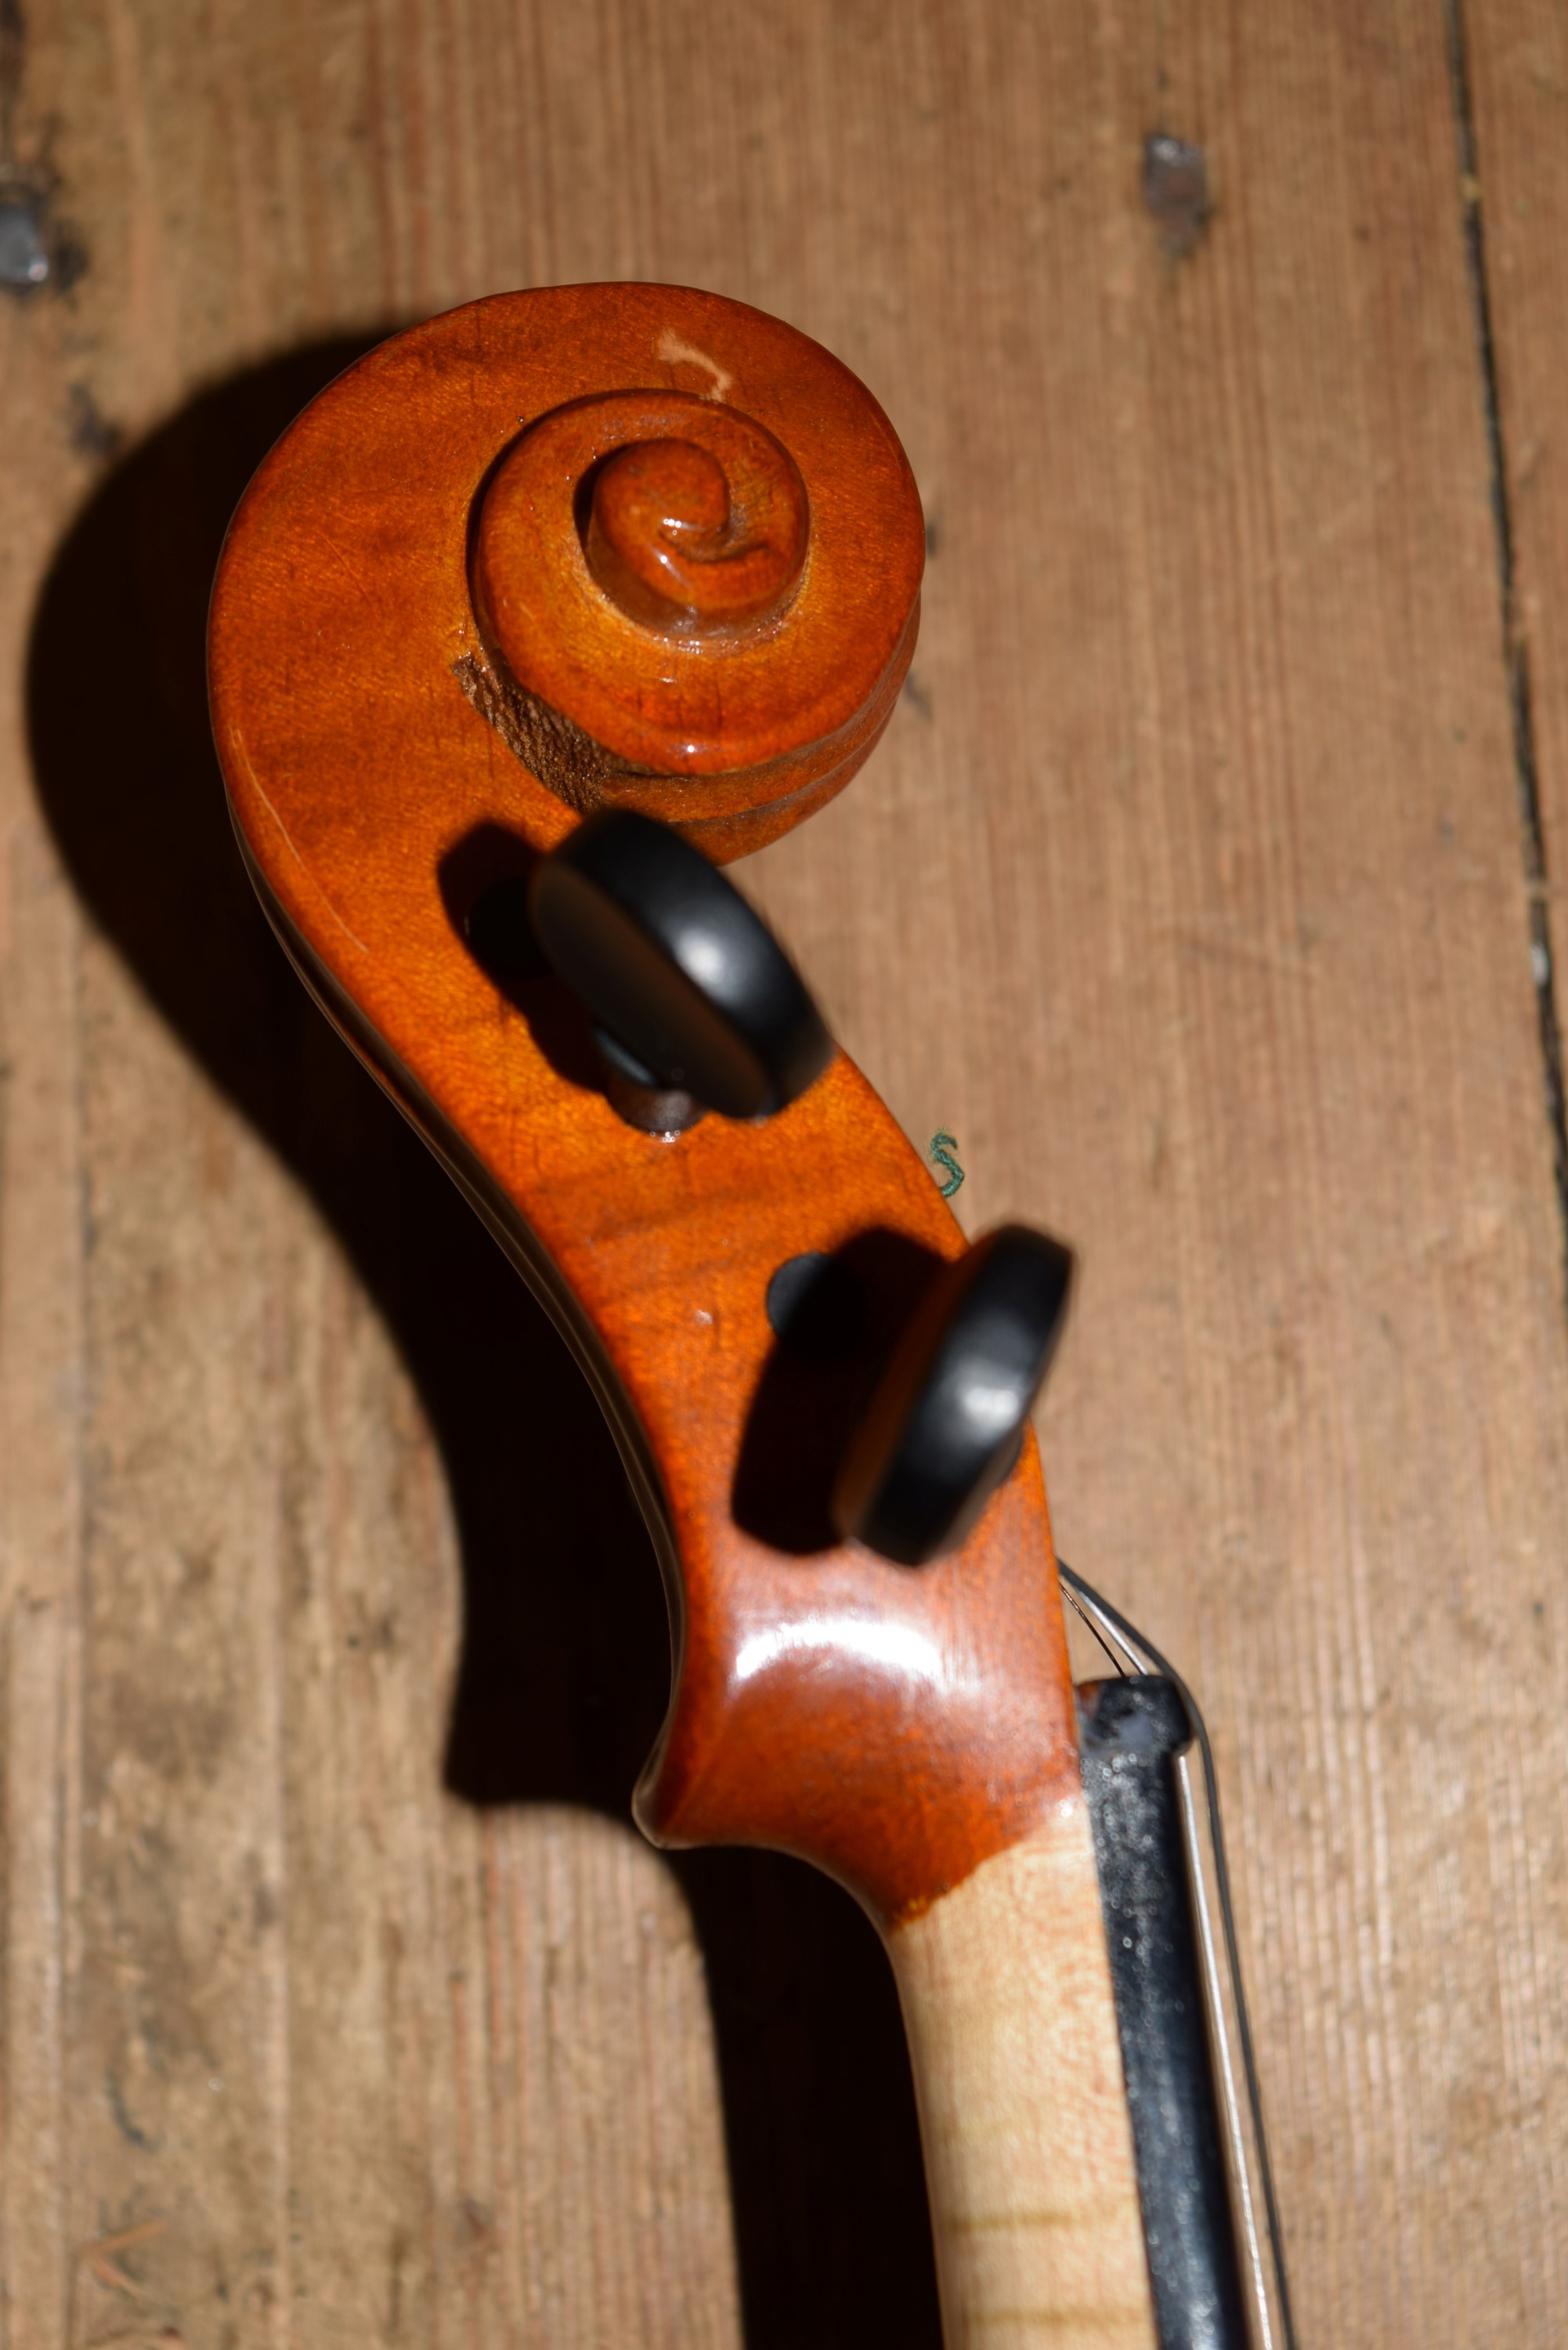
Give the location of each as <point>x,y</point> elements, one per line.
<point>691,991</point>
<point>946,1423</point>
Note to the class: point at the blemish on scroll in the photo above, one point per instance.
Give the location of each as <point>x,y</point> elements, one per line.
<point>675,351</point>
<point>566,761</point>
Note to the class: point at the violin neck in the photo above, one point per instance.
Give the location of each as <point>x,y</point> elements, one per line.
<point>1006,1990</point>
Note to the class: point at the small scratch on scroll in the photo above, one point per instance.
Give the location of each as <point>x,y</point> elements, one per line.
<point>674,352</point>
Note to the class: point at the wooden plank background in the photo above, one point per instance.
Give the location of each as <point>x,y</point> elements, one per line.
<point>1203,887</point>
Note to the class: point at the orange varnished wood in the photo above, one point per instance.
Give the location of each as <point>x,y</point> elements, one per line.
<point>677,628</point>
<point>665,457</point>
<point>897,1728</point>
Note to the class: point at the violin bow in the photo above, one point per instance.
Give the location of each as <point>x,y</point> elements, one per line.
<point>537,617</point>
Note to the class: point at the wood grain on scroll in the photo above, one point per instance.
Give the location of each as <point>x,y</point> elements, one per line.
<point>643,546</point>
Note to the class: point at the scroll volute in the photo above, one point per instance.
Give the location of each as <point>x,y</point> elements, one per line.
<point>639,545</point>
<point>674,607</point>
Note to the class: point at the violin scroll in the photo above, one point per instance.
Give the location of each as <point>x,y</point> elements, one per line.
<point>637,558</point>
<point>638,549</point>
<point>392,837</point>
<point>697,603</point>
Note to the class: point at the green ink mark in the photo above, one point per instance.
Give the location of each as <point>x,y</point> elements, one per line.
<point>943,1149</point>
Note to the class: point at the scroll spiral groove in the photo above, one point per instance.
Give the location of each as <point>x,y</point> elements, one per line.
<point>681,540</point>
<point>657,570</point>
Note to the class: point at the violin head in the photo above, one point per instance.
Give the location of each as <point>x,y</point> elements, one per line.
<point>538,614</point>
<point>631,552</point>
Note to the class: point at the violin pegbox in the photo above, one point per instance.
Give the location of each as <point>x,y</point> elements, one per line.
<point>529,584</point>
<point>496,611</point>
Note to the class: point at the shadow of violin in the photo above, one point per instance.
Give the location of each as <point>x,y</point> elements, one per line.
<point>564,1670</point>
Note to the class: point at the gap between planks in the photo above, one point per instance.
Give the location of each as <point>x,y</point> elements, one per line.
<point>1514,646</point>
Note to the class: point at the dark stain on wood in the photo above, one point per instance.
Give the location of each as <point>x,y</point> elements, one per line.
<point>1176,191</point>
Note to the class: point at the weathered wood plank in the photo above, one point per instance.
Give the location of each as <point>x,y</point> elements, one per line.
<point>1186,891</point>
<point>1511,76</point>
<point>1515,64</point>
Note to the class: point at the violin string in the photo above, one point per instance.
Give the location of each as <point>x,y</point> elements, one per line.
<point>1084,1617</point>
